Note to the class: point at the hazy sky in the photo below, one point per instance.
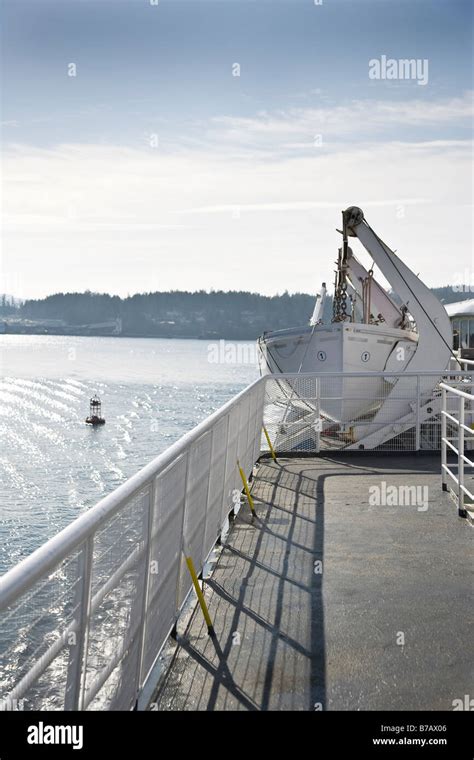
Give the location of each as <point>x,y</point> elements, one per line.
<point>156,168</point>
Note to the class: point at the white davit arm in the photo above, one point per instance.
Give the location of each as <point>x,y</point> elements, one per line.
<point>434,327</point>
<point>319,306</point>
<point>433,350</point>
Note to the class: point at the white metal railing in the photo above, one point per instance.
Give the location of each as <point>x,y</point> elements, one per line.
<point>355,411</point>
<point>454,420</point>
<point>85,617</point>
<point>463,364</point>
<point>467,362</point>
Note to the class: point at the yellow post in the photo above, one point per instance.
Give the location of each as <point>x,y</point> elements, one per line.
<point>200,596</point>
<point>272,450</point>
<point>246,488</point>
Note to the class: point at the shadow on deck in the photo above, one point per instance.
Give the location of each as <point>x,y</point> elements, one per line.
<point>329,601</point>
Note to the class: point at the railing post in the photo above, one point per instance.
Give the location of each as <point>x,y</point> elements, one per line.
<point>208,496</point>
<point>417,411</point>
<point>462,418</point>
<point>147,561</point>
<point>224,510</point>
<point>444,435</point>
<point>183,522</point>
<point>318,417</point>
<point>75,684</point>
<point>258,427</point>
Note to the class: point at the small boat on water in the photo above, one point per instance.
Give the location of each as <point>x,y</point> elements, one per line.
<point>95,412</point>
<point>371,330</point>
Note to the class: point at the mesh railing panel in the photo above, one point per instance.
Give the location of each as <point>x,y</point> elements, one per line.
<point>330,413</point>
<point>232,479</point>
<point>216,484</point>
<point>199,462</point>
<point>40,626</point>
<point>118,567</point>
<point>243,433</point>
<point>164,559</point>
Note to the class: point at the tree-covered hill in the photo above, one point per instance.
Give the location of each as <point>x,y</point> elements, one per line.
<point>218,314</point>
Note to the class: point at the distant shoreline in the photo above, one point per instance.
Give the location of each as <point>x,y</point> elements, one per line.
<point>168,315</point>
<point>124,335</point>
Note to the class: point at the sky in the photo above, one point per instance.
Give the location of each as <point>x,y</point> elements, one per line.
<point>172,145</point>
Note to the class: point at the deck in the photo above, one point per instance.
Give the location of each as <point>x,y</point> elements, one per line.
<point>384,626</point>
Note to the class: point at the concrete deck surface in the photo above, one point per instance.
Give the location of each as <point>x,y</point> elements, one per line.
<point>386,625</point>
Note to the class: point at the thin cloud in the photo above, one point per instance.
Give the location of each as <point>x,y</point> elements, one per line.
<point>82,214</point>
<point>359,119</point>
<point>300,206</point>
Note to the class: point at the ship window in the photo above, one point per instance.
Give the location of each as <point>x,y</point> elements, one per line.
<point>471,333</point>
<point>465,333</point>
<point>456,334</point>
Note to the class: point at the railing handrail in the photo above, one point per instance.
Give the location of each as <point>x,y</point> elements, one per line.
<point>22,576</point>
<point>456,391</point>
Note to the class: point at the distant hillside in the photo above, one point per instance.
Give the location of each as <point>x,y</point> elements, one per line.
<point>447,295</point>
<point>175,314</point>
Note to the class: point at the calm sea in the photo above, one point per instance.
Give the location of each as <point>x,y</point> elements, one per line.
<point>52,465</point>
